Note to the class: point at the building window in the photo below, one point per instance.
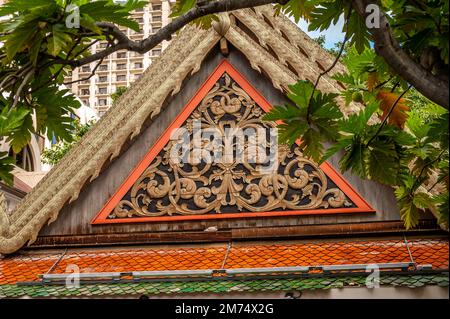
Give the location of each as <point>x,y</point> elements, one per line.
<point>156,19</point>
<point>84,91</point>
<point>122,66</point>
<point>103,67</point>
<point>24,159</point>
<point>102,78</point>
<point>102,102</point>
<point>156,29</point>
<point>102,90</point>
<point>85,102</point>
<point>137,76</point>
<point>86,68</point>
<point>121,78</point>
<point>156,52</point>
<point>121,55</point>
<point>156,7</point>
<point>138,65</point>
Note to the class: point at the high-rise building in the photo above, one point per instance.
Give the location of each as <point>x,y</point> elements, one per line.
<point>122,67</point>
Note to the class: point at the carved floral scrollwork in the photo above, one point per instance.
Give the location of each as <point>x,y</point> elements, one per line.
<point>170,188</point>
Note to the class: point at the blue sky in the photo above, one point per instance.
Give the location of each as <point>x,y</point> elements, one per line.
<point>332,35</point>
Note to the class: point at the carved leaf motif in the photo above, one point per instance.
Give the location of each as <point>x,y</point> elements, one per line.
<point>170,188</point>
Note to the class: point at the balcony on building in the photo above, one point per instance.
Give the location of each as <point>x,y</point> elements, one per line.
<point>102,91</point>
<point>103,68</point>
<point>102,79</point>
<point>85,92</point>
<point>84,83</point>
<point>85,69</point>
<point>121,78</point>
<point>156,7</point>
<point>156,18</point>
<point>121,66</point>
<point>102,101</point>
<point>138,66</point>
<point>156,52</point>
<point>121,55</point>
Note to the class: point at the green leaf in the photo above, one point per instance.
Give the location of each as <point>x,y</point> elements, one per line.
<point>284,113</point>
<point>311,144</point>
<point>89,23</point>
<point>356,123</point>
<point>182,6</point>
<point>59,39</point>
<point>325,14</point>
<point>12,119</point>
<point>423,201</point>
<point>297,9</point>
<point>13,6</point>
<point>109,11</point>
<point>417,125</point>
<point>357,32</point>
<point>290,133</point>
<point>21,136</point>
<point>323,106</point>
<point>53,109</point>
<point>383,162</point>
<point>206,21</point>
<point>441,201</point>
<point>341,144</point>
<point>36,48</point>
<point>409,214</point>
<point>301,93</point>
<point>440,131</point>
<point>17,40</point>
<point>354,158</point>
<point>6,166</point>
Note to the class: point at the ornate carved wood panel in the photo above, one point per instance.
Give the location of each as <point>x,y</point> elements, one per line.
<point>187,175</point>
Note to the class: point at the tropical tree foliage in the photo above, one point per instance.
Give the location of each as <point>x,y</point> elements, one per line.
<point>398,138</point>
<point>397,74</point>
<point>119,91</point>
<point>37,41</point>
<point>54,154</point>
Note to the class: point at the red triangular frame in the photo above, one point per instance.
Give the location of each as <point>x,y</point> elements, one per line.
<point>224,67</point>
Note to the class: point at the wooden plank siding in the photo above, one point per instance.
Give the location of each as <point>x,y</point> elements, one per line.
<point>74,220</point>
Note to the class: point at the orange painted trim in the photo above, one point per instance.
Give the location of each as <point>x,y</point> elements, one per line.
<point>223,67</point>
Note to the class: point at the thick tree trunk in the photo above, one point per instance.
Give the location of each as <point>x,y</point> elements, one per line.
<point>432,86</point>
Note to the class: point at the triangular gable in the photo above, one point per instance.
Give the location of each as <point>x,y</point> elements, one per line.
<point>281,51</point>
<point>157,191</point>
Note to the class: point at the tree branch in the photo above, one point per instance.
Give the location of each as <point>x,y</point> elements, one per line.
<point>386,46</point>
<point>165,33</point>
<point>90,75</point>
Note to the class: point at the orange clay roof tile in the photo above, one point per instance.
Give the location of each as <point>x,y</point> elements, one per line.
<point>27,266</point>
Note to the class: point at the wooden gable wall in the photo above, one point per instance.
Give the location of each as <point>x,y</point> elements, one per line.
<point>73,225</point>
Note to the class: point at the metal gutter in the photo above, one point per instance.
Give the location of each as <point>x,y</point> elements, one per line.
<point>237,273</point>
